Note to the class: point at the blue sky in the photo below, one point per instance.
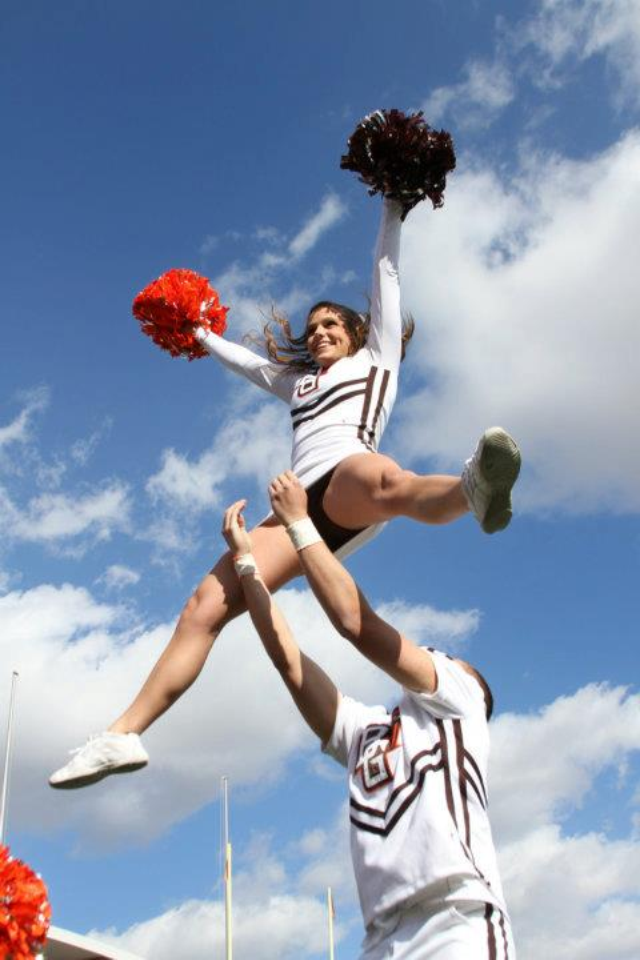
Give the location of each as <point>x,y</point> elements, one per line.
<point>142,136</point>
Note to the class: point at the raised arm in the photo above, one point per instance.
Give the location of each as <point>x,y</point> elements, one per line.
<point>312,691</point>
<point>385,332</point>
<point>342,600</point>
<point>270,376</point>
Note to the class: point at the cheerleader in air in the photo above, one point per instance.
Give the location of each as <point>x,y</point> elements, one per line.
<point>339,379</point>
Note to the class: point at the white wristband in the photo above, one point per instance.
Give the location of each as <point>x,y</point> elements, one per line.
<point>303,533</point>
<point>245,565</point>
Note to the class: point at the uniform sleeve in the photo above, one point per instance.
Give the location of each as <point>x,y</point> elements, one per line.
<point>385,331</point>
<point>351,719</point>
<point>458,694</point>
<point>270,376</point>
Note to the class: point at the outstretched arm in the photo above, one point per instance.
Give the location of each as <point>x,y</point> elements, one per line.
<point>314,694</point>
<point>385,331</point>
<point>239,359</point>
<point>341,599</point>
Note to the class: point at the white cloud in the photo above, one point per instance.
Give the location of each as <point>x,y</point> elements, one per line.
<point>171,534</point>
<point>19,429</point>
<point>585,887</point>
<point>425,625</point>
<point>255,445</point>
<point>569,760</point>
<point>5,580</point>
<point>209,244</point>
<point>67,521</point>
<point>525,298</point>
<point>279,908</point>
<point>280,927</point>
<point>252,288</point>
<point>546,49</point>
<point>82,450</point>
<point>332,211</point>
<point>566,31</point>
<point>544,767</point>
<point>194,485</point>
<point>474,102</point>
<point>117,576</point>
<point>327,859</point>
<point>60,517</point>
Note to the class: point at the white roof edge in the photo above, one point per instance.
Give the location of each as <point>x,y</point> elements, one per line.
<point>87,945</point>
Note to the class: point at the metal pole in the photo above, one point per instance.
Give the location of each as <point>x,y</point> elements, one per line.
<point>228,932</point>
<point>7,761</point>
<point>330,913</point>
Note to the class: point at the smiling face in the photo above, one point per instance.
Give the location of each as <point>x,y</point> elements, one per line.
<point>328,339</point>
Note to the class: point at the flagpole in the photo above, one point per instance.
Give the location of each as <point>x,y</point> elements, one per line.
<point>7,761</point>
<point>330,912</point>
<point>228,932</point>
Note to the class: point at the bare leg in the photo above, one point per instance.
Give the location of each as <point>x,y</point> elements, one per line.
<point>217,600</point>
<point>370,488</point>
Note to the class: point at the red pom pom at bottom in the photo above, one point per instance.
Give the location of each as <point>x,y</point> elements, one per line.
<point>25,912</point>
<point>173,306</point>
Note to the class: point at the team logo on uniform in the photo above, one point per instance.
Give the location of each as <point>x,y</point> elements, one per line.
<point>379,753</point>
<point>307,384</point>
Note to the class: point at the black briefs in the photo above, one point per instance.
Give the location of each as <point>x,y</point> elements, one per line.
<point>332,533</point>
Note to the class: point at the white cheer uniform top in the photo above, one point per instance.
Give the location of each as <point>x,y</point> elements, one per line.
<point>418,797</point>
<point>344,408</point>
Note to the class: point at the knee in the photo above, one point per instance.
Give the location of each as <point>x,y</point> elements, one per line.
<point>204,613</point>
<point>392,487</point>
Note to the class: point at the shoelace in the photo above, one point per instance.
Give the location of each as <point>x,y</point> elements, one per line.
<point>90,741</point>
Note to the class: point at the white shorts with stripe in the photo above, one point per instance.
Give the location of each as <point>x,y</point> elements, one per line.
<point>464,930</point>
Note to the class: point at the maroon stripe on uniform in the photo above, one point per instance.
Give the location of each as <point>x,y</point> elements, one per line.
<point>462,779</point>
<point>367,403</point>
<point>333,403</point>
<point>476,789</point>
<point>390,824</point>
<point>447,771</point>
<point>476,768</point>
<point>383,390</point>
<point>312,404</point>
<point>491,936</point>
<point>505,939</point>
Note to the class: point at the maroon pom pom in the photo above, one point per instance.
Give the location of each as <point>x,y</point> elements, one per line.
<point>401,157</point>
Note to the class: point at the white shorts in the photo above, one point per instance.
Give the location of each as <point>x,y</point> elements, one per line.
<point>464,930</point>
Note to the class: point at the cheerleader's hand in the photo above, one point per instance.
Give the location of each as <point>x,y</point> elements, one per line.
<point>288,498</point>
<point>234,530</point>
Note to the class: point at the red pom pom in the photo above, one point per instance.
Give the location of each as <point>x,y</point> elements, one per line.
<point>25,912</point>
<point>170,309</point>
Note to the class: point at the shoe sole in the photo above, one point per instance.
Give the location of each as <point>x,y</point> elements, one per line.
<point>90,778</point>
<point>500,466</point>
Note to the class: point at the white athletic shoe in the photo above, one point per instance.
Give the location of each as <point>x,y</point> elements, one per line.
<point>488,477</point>
<point>101,755</point>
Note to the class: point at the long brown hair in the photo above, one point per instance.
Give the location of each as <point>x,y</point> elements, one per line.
<point>284,347</point>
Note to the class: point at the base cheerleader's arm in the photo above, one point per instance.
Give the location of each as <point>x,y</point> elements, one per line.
<point>312,691</point>
<point>342,600</point>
